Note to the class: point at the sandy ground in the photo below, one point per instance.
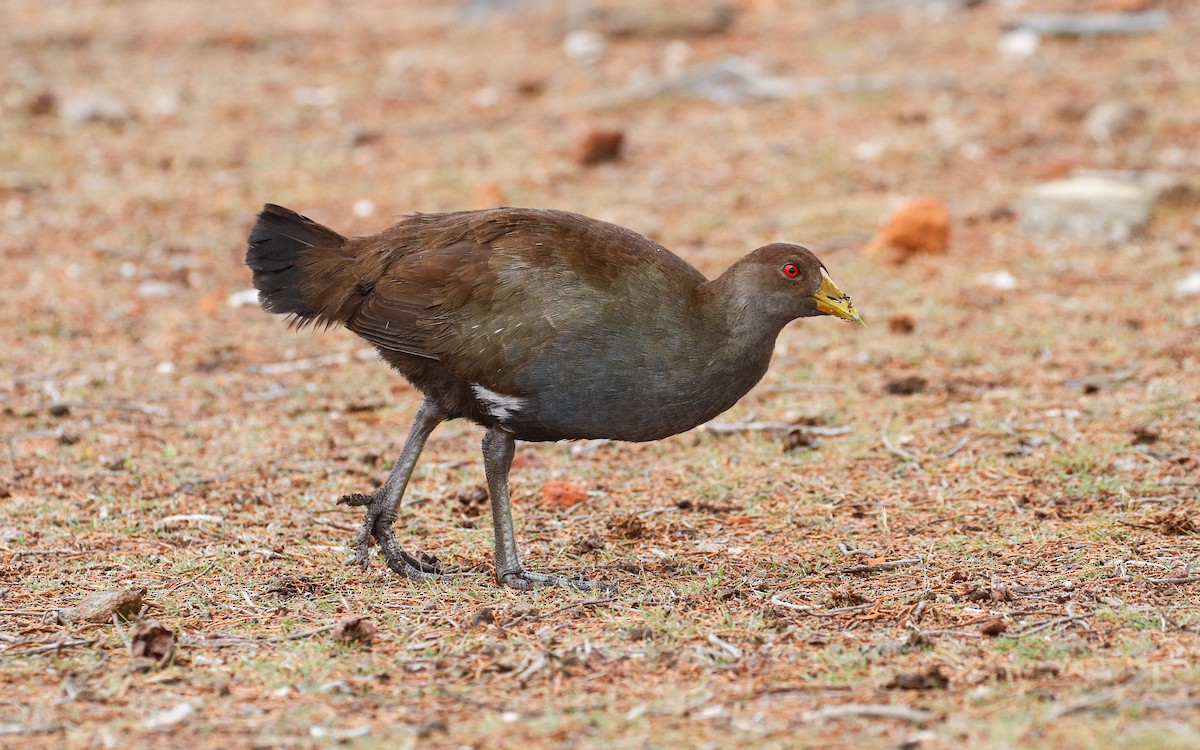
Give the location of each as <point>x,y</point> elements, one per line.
<point>993,545</point>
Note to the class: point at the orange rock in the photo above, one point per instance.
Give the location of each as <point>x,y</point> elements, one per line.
<point>562,494</point>
<point>600,145</point>
<point>211,302</point>
<point>921,227</point>
<point>488,195</point>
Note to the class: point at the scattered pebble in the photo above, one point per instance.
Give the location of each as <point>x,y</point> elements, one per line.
<point>1085,208</point>
<point>315,96</point>
<point>902,323</point>
<point>599,145</point>
<point>337,734</point>
<point>41,103</point>
<point>166,719</point>
<point>583,46</point>
<point>1018,44</point>
<point>1109,120</point>
<point>155,289</point>
<point>243,298</point>
<point>668,20</point>
<point>1189,286</point>
<point>363,208</point>
<point>562,494</point>
<point>95,106</point>
<point>999,280</point>
<point>906,386</point>
<point>1092,24</point>
<point>100,606</point>
<point>488,96</point>
<point>165,106</point>
<point>870,150</point>
<point>919,228</point>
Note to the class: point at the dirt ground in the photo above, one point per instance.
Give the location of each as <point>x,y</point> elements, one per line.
<point>982,532</point>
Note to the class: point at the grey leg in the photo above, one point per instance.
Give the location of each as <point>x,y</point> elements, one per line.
<point>384,504</point>
<point>498,449</point>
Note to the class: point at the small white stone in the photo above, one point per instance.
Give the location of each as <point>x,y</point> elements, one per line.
<point>1085,208</point>
<point>486,97</point>
<point>155,289</point>
<point>870,150</point>
<point>166,105</point>
<point>315,96</point>
<point>243,298</point>
<point>1002,280</point>
<point>165,368</point>
<point>95,106</point>
<point>363,208</point>
<point>586,47</point>
<point>1018,44</point>
<point>1189,286</point>
<point>170,717</point>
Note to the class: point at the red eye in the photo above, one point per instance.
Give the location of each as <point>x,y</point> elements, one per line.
<point>791,270</point>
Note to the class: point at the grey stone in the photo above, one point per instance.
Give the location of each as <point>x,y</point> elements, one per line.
<point>95,106</point>
<point>1109,120</point>
<point>1089,209</point>
<point>1092,24</point>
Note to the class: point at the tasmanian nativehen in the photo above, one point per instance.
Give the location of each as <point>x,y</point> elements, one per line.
<point>537,325</point>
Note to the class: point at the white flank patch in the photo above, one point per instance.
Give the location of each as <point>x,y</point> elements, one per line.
<point>501,407</point>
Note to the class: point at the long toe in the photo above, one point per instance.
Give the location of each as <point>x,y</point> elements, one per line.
<point>523,580</point>
<point>357,499</point>
<point>401,562</point>
<point>362,543</point>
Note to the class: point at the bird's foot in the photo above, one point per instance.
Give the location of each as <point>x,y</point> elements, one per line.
<point>378,529</point>
<point>524,580</point>
<point>362,543</point>
<point>420,567</point>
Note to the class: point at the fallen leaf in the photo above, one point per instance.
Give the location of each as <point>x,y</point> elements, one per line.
<point>906,386</point>
<point>288,585</point>
<point>355,630</point>
<point>152,640</point>
<point>483,616</point>
<point>930,679</point>
<point>630,526</point>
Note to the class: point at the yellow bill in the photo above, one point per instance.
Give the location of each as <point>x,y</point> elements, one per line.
<point>832,301</point>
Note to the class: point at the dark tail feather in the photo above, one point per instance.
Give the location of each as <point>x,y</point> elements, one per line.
<point>275,253</point>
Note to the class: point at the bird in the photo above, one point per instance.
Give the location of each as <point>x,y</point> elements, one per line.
<point>538,325</point>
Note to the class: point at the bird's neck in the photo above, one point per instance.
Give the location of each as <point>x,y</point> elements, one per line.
<point>731,303</point>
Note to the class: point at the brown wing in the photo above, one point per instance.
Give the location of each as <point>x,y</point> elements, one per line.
<point>398,311</point>
<point>486,292</point>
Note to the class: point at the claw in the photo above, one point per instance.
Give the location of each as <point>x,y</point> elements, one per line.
<point>357,499</point>
<point>524,580</point>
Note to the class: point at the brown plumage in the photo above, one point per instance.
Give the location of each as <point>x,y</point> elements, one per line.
<point>539,325</point>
